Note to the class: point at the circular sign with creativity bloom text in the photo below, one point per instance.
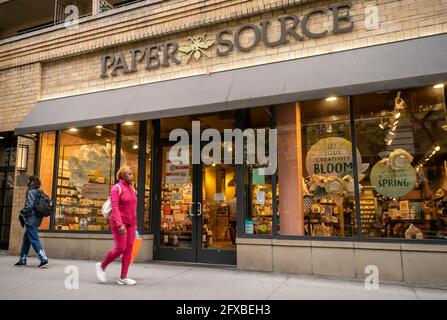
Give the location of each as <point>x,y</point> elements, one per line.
<point>331,157</point>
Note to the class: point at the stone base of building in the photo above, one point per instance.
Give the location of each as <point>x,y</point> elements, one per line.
<point>410,263</point>
<point>87,246</point>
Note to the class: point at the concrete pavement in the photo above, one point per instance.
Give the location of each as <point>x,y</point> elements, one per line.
<point>174,282</point>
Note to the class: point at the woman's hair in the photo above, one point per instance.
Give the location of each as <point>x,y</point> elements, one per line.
<point>33,182</point>
<point>122,171</point>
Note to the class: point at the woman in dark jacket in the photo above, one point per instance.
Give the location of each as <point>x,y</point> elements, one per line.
<point>31,222</point>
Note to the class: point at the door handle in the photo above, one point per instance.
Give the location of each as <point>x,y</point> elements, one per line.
<point>190,208</point>
<point>199,213</point>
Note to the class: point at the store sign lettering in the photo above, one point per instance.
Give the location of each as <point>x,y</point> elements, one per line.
<point>291,27</point>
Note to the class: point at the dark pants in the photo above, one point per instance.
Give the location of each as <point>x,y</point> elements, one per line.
<point>31,238</point>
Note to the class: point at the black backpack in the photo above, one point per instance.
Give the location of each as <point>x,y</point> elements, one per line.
<point>44,206</point>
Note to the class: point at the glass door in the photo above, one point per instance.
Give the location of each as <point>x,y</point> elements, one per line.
<point>177,227</point>
<point>217,214</point>
<point>197,212</point>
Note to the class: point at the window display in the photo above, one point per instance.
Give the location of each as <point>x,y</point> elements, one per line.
<point>261,202</point>
<point>46,168</point>
<point>325,156</point>
<point>85,176</point>
<point>258,186</point>
<point>400,135</point>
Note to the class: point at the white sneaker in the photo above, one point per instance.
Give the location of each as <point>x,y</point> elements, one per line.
<point>127,281</point>
<point>100,273</point>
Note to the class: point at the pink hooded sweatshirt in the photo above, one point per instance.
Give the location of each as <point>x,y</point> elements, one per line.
<point>124,205</point>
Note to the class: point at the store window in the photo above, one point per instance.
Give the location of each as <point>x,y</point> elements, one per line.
<point>169,124</point>
<point>85,176</point>
<point>315,166</point>
<point>147,188</point>
<point>401,138</point>
<point>129,147</point>
<point>46,168</point>
<point>259,188</point>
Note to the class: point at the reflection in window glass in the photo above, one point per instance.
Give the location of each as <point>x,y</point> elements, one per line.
<point>8,146</point>
<point>86,173</point>
<point>46,166</point>
<point>400,136</point>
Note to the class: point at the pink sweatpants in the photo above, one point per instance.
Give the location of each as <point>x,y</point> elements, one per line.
<point>123,245</point>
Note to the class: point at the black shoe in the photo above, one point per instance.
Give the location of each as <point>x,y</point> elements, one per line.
<point>20,263</point>
<point>42,264</point>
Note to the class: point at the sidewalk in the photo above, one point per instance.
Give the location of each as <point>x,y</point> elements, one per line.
<point>173,282</point>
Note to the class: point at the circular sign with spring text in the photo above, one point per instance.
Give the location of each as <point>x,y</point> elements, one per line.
<point>392,183</point>
<point>331,157</point>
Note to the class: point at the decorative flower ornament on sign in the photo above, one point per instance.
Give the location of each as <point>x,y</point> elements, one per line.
<point>197,47</point>
<point>336,187</point>
<point>399,159</point>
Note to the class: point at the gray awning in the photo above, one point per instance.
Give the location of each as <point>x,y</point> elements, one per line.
<point>391,66</point>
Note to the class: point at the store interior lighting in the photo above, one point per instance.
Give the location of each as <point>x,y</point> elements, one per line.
<point>99,131</point>
<point>428,155</point>
<point>22,157</point>
<point>439,86</point>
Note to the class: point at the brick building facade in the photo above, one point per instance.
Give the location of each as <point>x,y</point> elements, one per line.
<point>59,62</point>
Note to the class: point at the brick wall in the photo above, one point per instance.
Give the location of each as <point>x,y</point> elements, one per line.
<point>118,26</point>
<point>399,20</point>
<point>20,88</point>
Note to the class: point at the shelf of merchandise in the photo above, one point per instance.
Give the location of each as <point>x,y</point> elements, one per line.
<point>92,215</point>
<point>368,212</point>
<point>176,204</point>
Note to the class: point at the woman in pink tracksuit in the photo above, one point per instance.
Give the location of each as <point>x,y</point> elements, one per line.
<point>123,225</point>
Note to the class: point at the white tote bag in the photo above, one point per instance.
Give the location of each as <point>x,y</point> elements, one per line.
<point>107,206</point>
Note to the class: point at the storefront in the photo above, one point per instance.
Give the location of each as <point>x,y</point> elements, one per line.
<point>355,133</point>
